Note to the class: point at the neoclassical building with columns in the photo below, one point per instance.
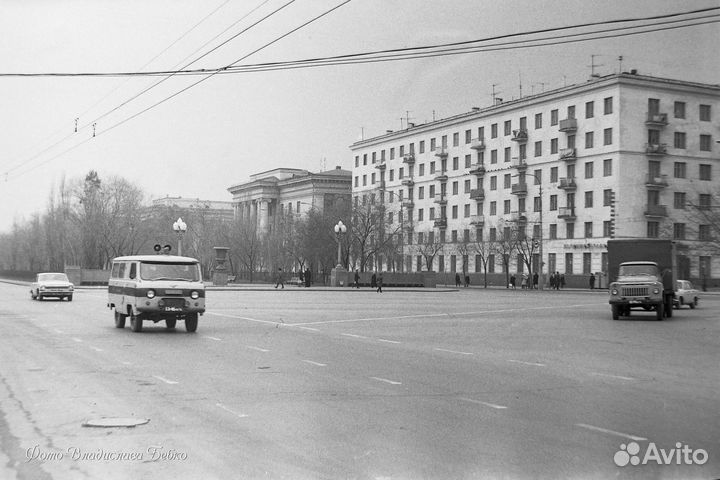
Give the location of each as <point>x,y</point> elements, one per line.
<point>273,193</point>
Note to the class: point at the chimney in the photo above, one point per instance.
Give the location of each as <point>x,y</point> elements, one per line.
<point>338,167</point>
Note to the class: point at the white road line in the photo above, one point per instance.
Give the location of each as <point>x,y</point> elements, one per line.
<point>619,377</point>
<point>77,339</point>
<point>245,318</point>
<point>58,331</point>
<point>212,338</point>
<point>611,432</point>
<point>169,382</point>
<point>352,335</point>
<point>308,328</point>
<point>97,349</point>
<point>257,348</point>
<point>491,405</point>
<point>534,364</point>
<point>391,382</point>
<point>315,363</point>
<point>240,415</point>
<point>126,363</point>
<point>453,351</point>
<point>387,341</point>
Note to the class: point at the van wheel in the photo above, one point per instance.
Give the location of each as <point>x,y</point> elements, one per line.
<point>119,320</point>
<point>136,322</point>
<point>170,322</point>
<point>191,322</point>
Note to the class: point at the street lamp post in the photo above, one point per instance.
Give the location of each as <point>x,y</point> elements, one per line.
<point>338,272</point>
<point>541,282</point>
<point>180,228</point>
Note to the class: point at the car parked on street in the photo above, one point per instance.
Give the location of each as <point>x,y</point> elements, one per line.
<point>685,294</point>
<point>51,285</point>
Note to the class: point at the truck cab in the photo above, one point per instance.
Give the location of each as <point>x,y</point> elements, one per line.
<point>641,285</point>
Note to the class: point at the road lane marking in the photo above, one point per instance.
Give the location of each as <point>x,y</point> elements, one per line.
<point>318,364</point>
<point>611,432</point>
<point>270,322</point>
<point>534,364</point>
<point>352,335</point>
<point>391,382</point>
<point>126,363</point>
<point>257,348</point>
<point>169,382</point>
<point>387,341</point>
<point>620,377</point>
<point>212,338</point>
<point>58,331</point>
<point>97,349</point>
<point>77,339</point>
<point>309,328</point>
<point>240,415</point>
<point>453,351</point>
<point>491,405</point>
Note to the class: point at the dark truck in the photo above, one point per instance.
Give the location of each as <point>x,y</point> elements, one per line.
<point>641,275</point>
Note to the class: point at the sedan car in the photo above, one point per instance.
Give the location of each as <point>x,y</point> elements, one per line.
<point>685,294</point>
<point>51,285</point>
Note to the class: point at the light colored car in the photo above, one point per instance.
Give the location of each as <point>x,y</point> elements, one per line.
<point>686,294</point>
<point>51,285</point>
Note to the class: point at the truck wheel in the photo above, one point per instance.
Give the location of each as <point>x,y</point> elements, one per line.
<point>668,307</point>
<point>170,322</point>
<point>615,312</point>
<point>136,322</point>
<point>660,311</point>
<point>119,320</point>
<point>191,322</point>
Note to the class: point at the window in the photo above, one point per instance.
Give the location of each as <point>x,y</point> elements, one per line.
<point>538,149</point>
<point>364,180</point>
<point>705,201</point>
<point>432,168</point>
<point>493,182</point>
<point>589,199</point>
<point>493,156</point>
<point>680,170</point>
<point>653,137</point>
<point>679,140</point>
<point>704,113</point>
<point>705,172</point>
<point>506,207</point>
<point>536,204</point>
<point>401,173</point>
<point>468,161</point>
<point>456,139</point>
<point>653,106</point>
<point>421,146</point>
<point>553,174</point>
<point>481,133</point>
<point>392,175</point>
<point>568,263</point>
<point>357,160</point>
<point>365,159</point>
<point>443,141</point>
<point>455,188</point>
<point>453,239</point>
<point>431,213</point>
<point>553,202</point>
<point>432,144</point>
<point>607,167</point>
<point>704,232</point>
<point>466,210</point>
<point>589,109</point>
<point>571,141</point>
<point>523,123</point>
<point>507,180</point>
<point>570,230</point>
<point>421,170</point>
<point>607,197</point>
<point>653,169</point>
<point>607,228</point>
<point>357,180</point>
<point>421,193</point>
<point>507,128</point>
<point>679,109</point>
<point>571,111</point>
<point>392,153</point>
<point>679,231</point>
<point>508,154</point>
<point>493,235</point>
<point>493,130</point>
<point>553,117</point>
<point>653,229</point>
<point>431,193</point>
<point>479,234</point>
<point>454,211</point>
<point>456,163</point>
<point>467,186</point>
<point>402,151</point>
<point>705,143</point>
<point>553,145</point>
<point>679,200</point>
<point>608,105</point>
<point>607,136</point>
<point>587,263</point>
<point>538,120</point>
<point>493,208</point>
<point>468,136</point>
<point>589,170</point>
<point>521,205</point>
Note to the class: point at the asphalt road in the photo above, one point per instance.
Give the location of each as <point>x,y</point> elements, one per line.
<point>312,384</point>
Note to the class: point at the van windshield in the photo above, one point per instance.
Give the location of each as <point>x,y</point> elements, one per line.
<point>187,272</point>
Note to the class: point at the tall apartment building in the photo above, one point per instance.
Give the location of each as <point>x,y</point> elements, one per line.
<point>619,156</point>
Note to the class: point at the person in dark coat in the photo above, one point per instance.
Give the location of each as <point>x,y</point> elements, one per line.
<point>535,280</point>
<point>592,281</point>
<point>308,277</point>
<point>357,278</point>
<point>512,281</point>
<point>379,283</point>
<point>373,280</point>
<point>467,280</point>
<point>279,279</point>
<point>562,280</point>
<point>457,279</point>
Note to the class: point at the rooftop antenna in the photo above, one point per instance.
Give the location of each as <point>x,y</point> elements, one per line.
<point>520,80</point>
<point>592,67</point>
<point>620,59</point>
<point>542,84</point>
<point>494,93</point>
<point>408,118</point>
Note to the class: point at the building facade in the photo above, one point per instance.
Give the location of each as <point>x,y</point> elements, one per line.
<point>621,156</point>
<point>271,194</point>
<point>213,208</point>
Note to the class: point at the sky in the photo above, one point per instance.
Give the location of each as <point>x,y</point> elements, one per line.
<point>174,138</point>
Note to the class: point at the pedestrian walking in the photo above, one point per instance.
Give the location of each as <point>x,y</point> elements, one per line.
<point>308,277</point>
<point>279,279</point>
<point>457,279</point>
<point>535,281</point>
<point>592,281</point>
<point>524,281</point>
<point>357,278</point>
<point>379,283</point>
<point>467,280</point>
<point>557,280</point>
<point>562,281</point>
<point>552,280</point>
<point>512,281</point>
<point>373,280</point>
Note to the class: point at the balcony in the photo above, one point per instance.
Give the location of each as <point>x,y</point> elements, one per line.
<point>567,213</point>
<point>656,181</point>
<point>477,169</point>
<point>567,183</point>
<point>408,204</point>
<point>520,135</point>
<point>568,154</point>
<point>656,211</point>
<point>519,189</point>
<point>569,125</point>
<point>477,194</point>
<point>441,176</point>
<point>381,166</point>
<point>656,119</point>
<point>440,223</point>
<point>440,199</point>
<point>518,218</point>
<point>477,220</point>
<point>478,144</point>
<point>521,165</point>
<point>409,159</point>
<point>655,148</point>
<point>441,152</point>
<point>408,182</point>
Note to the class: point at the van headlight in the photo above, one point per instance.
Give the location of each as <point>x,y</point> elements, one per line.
<point>151,294</point>
<point>194,294</point>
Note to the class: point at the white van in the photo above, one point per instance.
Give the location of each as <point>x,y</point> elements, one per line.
<point>156,287</point>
